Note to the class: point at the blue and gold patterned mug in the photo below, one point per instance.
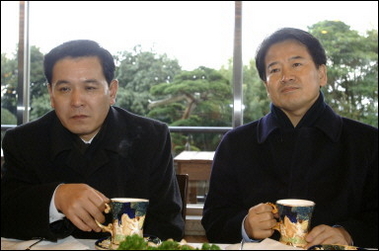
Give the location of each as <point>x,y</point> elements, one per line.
<point>294,220</point>
<point>128,216</point>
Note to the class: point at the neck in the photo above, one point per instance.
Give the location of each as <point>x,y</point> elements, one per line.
<point>295,117</point>
<point>89,140</point>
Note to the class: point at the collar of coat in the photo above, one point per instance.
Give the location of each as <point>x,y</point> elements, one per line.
<point>115,135</point>
<point>320,116</point>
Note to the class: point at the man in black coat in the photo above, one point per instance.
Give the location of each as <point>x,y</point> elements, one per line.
<point>61,169</point>
<point>301,149</point>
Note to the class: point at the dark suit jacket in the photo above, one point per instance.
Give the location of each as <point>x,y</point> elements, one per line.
<point>326,158</point>
<point>130,157</point>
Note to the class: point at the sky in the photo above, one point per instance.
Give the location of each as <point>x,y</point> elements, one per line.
<point>194,32</point>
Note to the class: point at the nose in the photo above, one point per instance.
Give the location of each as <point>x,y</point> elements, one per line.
<point>287,75</point>
<point>76,98</point>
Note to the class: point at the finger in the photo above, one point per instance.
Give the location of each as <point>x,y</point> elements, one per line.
<point>93,225</point>
<point>103,201</point>
<point>83,212</point>
<point>103,197</point>
<point>81,225</point>
<point>260,222</point>
<point>324,235</point>
<point>98,200</point>
<point>88,218</point>
<point>269,224</point>
<point>316,231</point>
<point>261,208</point>
<point>93,213</point>
<point>333,239</point>
<point>274,208</point>
<point>258,229</point>
<point>77,220</point>
<point>99,208</point>
<point>333,235</point>
<point>261,217</point>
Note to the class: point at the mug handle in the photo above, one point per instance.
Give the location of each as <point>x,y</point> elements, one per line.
<point>274,211</point>
<point>109,227</point>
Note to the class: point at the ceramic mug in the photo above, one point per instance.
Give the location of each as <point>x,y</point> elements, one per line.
<point>294,220</point>
<point>128,217</point>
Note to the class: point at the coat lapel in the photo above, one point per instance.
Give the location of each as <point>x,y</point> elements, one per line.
<point>113,138</point>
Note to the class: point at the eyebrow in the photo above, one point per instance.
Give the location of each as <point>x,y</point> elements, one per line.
<point>290,59</point>
<point>60,82</point>
<point>87,81</point>
<point>91,81</point>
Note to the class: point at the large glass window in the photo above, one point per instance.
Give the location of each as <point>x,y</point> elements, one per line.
<point>162,42</point>
<point>9,63</point>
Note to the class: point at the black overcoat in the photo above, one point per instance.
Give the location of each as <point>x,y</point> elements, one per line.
<point>326,158</point>
<point>130,157</point>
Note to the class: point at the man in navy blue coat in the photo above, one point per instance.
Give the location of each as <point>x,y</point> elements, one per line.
<point>301,149</point>
<point>61,169</point>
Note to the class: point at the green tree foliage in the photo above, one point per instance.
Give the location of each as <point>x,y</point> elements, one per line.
<point>40,105</point>
<point>8,85</point>
<point>137,72</point>
<point>201,97</point>
<point>352,88</point>
<point>7,118</point>
<point>256,103</point>
<point>39,101</point>
<point>38,83</point>
<point>39,96</point>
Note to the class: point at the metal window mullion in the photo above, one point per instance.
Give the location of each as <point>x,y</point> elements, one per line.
<point>23,65</point>
<point>237,67</point>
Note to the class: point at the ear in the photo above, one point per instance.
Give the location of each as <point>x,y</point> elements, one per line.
<point>323,75</point>
<point>113,87</point>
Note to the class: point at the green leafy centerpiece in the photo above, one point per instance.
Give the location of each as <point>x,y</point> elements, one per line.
<point>135,242</point>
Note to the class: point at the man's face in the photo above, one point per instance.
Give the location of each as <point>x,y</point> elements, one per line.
<point>293,81</point>
<point>80,95</point>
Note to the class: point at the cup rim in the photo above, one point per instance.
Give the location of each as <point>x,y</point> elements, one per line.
<point>128,199</point>
<point>296,202</point>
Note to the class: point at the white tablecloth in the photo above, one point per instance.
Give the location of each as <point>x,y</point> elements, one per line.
<point>70,243</point>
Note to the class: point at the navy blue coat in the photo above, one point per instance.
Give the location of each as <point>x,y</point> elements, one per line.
<point>326,158</point>
<point>130,157</point>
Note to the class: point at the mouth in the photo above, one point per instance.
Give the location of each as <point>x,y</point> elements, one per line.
<point>77,117</point>
<point>289,89</point>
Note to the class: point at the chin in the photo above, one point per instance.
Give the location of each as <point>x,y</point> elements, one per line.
<point>79,131</point>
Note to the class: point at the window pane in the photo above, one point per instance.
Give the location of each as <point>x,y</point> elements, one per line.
<point>9,41</point>
<point>154,44</point>
<point>261,18</point>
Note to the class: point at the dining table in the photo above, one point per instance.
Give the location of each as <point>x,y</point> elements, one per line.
<point>71,243</point>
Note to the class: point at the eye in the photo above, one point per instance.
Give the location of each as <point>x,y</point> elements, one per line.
<point>90,88</point>
<point>274,70</point>
<point>63,89</point>
<point>297,64</point>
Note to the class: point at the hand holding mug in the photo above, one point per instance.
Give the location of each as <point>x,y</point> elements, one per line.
<point>81,204</point>
<point>294,220</point>
<point>260,221</point>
